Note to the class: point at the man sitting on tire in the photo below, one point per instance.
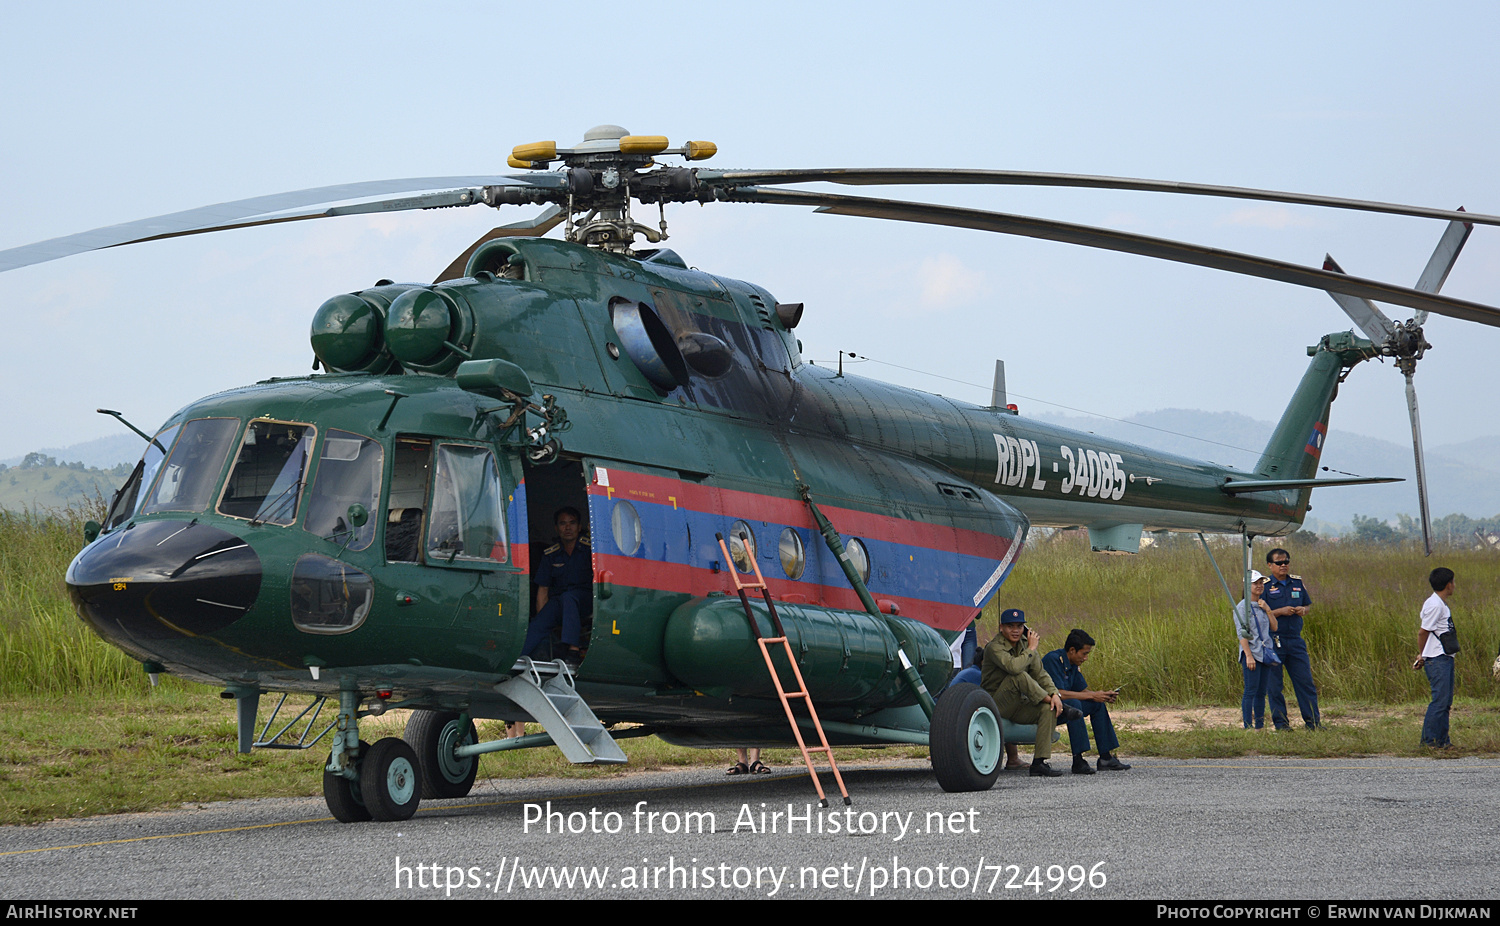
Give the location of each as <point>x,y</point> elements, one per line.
<point>1022,689</point>
<point>1063,665</point>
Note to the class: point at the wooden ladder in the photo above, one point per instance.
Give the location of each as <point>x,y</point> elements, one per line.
<point>765,644</point>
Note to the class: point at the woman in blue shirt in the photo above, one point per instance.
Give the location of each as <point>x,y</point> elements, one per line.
<point>1254,625</point>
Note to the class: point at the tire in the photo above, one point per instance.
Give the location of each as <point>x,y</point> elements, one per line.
<point>390,780</point>
<point>343,796</point>
<point>432,735</point>
<point>967,746</point>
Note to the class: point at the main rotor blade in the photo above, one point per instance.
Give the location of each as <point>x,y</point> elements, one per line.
<point>1111,240</point>
<point>871,176</point>
<point>264,210</point>
<point>1373,322</point>
<point>534,227</point>
<point>1416,446</point>
<point>1435,274</point>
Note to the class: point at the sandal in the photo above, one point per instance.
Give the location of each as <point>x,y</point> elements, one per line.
<point>759,768</point>
<point>738,768</point>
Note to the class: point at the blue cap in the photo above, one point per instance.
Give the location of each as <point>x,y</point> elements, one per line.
<point>1012,616</point>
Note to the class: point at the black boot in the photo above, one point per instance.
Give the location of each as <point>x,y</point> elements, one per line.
<point>1040,769</point>
<point>1081,766</point>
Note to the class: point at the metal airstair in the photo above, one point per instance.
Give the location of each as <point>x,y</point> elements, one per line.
<point>545,691</point>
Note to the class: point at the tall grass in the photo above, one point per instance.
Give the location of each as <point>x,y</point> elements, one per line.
<point>1160,617</point>
<point>1164,630</point>
<point>44,647</point>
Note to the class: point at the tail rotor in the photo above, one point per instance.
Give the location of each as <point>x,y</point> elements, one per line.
<point>1405,342</point>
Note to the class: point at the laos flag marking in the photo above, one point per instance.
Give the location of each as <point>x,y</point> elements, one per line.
<point>1315,439</point>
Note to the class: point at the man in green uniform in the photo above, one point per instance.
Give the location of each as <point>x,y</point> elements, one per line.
<point>1022,689</point>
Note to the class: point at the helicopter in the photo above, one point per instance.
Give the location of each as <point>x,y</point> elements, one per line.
<point>368,533</point>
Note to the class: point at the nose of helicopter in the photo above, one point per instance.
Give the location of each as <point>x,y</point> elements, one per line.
<point>157,580</point>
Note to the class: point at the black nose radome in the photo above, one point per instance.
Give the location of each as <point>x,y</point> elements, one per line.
<point>157,580</point>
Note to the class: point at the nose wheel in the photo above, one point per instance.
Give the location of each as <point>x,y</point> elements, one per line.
<point>343,796</point>
<point>381,782</point>
<point>390,781</point>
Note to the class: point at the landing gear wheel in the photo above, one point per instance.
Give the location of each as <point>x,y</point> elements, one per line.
<point>433,735</point>
<point>965,740</point>
<point>390,781</point>
<point>343,796</point>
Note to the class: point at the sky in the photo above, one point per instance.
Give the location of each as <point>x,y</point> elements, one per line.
<point>114,113</point>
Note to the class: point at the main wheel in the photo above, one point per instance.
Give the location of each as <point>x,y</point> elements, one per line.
<point>965,740</point>
<point>343,796</point>
<point>390,781</point>
<point>434,735</point>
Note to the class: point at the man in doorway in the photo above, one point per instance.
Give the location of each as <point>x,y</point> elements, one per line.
<point>1289,602</point>
<point>1436,657</point>
<point>1023,691</point>
<point>564,588</point>
<point>1063,665</point>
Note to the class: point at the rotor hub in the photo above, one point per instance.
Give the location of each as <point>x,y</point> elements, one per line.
<point>605,171</point>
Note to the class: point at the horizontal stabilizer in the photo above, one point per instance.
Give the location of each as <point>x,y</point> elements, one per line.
<point>1237,486</point>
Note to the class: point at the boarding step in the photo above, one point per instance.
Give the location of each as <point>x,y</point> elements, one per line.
<point>545,691</point>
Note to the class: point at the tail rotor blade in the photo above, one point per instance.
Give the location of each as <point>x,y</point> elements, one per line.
<point>1442,260</point>
<point>1373,322</point>
<point>1416,446</point>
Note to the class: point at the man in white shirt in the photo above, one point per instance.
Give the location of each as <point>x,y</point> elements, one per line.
<point>1435,659</point>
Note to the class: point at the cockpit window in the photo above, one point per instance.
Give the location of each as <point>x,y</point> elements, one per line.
<point>348,474</point>
<point>468,508</point>
<point>193,466</point>
<point>125,502</point>
<point>268,476</point>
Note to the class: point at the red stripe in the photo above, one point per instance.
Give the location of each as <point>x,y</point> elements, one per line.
<point>758,507</point>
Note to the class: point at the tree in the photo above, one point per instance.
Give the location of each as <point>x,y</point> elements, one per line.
<point>1374,530</point>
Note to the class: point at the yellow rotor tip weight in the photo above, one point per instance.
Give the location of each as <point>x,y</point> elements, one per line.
<point>643,144</point>
<point>700,150</point>
<point>536,151</point>
<point>519,164</point>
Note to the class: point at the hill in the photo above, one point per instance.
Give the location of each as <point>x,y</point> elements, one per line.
<point>40,482</point>
<point>1461,478</point>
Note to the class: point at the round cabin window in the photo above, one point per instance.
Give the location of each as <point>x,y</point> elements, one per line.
<point>793,556</point>
<point>859,558</point>
<point>626,525</point>
<point>741,545</point>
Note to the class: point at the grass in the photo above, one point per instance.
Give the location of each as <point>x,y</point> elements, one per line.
<point>44,648</point>
<point>67,757</point>
<point>81,731</point>
<point>1349,730</point>
<point>1164,632</point>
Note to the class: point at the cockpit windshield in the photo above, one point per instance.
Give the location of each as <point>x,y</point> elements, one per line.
<point>267,479</point>
<point>193,466</point>
<point>124,505</point>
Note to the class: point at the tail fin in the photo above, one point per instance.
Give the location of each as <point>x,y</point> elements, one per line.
<point>1297,442</point>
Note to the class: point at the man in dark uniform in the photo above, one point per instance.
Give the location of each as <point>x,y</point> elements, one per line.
<point>1289,602</point>
<point>1022,689</point>
<point>1063,665</point>
<point>564,588</point>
